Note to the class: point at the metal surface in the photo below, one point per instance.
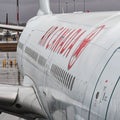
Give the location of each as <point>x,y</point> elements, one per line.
<point>44,7</point>
<point>21,101</point>
<point>8,95</point>
<point>70,64</point>
<point>74,62</point>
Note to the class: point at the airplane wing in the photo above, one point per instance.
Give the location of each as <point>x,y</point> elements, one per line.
<point>11,27</point>
<point>20,101</point>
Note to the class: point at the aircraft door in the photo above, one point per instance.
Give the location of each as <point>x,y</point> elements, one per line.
<point>113,108</point>
<point>104,101</point>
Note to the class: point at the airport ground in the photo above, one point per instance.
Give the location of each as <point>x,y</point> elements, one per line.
<point>8,75</point>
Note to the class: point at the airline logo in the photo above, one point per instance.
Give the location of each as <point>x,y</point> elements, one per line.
<point>61,40</point>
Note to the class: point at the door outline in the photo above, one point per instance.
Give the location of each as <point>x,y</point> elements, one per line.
<point>111,98</point>
<point>89,114</point>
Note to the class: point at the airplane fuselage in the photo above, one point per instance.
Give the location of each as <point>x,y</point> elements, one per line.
<point>73,61</point>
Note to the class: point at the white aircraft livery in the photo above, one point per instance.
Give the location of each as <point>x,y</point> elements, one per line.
<point>70,65</point>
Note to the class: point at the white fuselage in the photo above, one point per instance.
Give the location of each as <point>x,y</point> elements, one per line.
<point>73,61</point>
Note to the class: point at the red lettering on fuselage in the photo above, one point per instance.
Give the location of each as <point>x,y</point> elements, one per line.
<point>61,40</point>
<point>54,41</point>
<point>47,35</point>
<point>67,47</point>
<point>83,45</point>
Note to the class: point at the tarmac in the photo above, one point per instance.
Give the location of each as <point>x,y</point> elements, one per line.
<point>8,75</point>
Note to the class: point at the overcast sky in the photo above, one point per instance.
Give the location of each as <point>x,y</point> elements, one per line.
<point>29,8</point>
